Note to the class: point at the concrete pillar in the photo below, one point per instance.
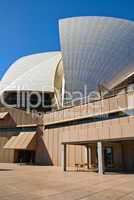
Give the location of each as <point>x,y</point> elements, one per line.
<point>100,158</point>
<point>64,157</point>
<point>88,156</point>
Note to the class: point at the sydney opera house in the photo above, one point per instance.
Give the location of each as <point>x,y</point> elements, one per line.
<point>73,108</point>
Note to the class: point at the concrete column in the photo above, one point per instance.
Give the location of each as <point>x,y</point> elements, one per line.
<point>63,157</point>
<point>100,158</point>
<point>88,156</point>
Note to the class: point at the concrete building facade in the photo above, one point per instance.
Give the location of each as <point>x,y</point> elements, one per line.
<point>94,134</point>
<point>75,136</point>
<point>103,124</point>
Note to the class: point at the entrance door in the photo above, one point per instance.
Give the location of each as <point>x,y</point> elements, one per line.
<point>25,156</point>
<point>108,157</point>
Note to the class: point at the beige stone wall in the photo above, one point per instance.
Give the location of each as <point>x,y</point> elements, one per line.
<point>18,117</point>
<point>108,129</point>
<point>48,149</point>
<point>49,144</point>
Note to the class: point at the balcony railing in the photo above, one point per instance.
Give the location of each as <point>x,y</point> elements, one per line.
<point>99,106</point>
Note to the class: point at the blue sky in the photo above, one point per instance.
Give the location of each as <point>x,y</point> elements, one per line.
<point>31,26</point>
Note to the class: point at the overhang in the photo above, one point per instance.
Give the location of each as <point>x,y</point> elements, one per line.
<point>24,141</point>
<point>3,115</point>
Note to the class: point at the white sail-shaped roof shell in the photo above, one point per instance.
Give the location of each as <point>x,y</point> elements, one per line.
<point>95,51</point>
<point>32,73</point>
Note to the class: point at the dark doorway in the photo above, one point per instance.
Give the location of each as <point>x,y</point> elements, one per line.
<point>25,156</point>
<point>108,157</point>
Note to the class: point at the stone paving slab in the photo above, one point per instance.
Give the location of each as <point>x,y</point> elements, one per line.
<point>50,183</point>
